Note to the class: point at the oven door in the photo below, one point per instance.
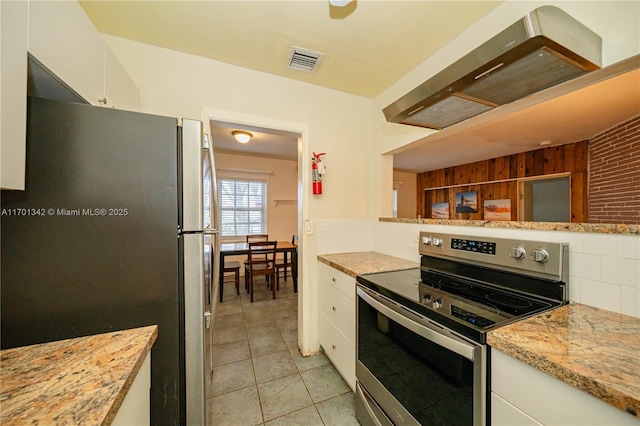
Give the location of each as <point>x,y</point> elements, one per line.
<point>411,370</point>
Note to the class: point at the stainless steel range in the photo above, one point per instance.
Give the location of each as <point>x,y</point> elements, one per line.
<point>421,352</point>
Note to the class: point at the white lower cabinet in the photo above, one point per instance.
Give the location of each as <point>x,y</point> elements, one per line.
<point>338,320</point>
<point>135,408</point>
<point>524,395</point>
<point>505,414</point>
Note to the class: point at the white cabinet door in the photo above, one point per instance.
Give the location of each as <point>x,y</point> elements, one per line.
<point>342,282</point>
<point>135,409</point>
<point>547,400</point>
<point>120,91</point>
<point>13,93</point>
<point>62,37</point>
<point>340,310</point>
<point>505,414</point>
<point>339,350</point>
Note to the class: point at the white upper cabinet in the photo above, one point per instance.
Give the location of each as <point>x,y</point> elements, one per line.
<point>120,91</point>
<point>60,36</point>
<point>13,89</point>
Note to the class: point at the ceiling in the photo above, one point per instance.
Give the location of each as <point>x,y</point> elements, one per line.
<point>265,143</point>
<point>363,55</point>
<point>367,45</point>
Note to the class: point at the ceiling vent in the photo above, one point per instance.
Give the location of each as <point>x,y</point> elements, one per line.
<point>304,60</point>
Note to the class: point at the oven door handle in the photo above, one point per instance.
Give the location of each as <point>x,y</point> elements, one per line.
<point>461,348</point>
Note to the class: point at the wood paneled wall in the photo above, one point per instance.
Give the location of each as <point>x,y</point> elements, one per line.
<point>484,177</point>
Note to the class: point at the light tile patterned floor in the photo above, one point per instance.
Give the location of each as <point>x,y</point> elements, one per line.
<point>259,376</point>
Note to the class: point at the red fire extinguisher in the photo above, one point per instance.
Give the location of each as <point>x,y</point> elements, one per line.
<point>317,170</point>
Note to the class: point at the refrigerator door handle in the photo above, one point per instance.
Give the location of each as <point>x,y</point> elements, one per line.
<point>207,320</point>
<point>206,231</point>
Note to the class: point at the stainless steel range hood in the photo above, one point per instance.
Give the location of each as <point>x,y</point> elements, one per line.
<point>544,48</point>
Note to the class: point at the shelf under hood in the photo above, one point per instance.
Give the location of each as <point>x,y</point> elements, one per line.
<point>544,48</point>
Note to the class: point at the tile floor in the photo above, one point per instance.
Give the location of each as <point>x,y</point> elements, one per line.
<point>259,376</point>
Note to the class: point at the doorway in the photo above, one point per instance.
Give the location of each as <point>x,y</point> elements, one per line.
<point>545,199</point>
<point>300,140</point>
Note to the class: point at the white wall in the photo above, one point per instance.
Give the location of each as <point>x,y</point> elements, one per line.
<point>615,21</point>
<point>177,84</point>
<point>406,183</point>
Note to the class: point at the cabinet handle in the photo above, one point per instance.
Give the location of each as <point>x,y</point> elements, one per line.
<point>334,279</point>
<point>333,346</point>
<point>334,308</point>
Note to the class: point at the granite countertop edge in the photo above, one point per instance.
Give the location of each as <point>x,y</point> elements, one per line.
<point>117,403</point>
<point>366,262</point>
<point>80,379</point>
<point>604,228</point>
<point>591,349</point>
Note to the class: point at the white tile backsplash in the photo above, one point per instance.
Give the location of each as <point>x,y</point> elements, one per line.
<point>630,301</point>
<point>604,269</point>
<point>603,244</point>
<point>601,295</point>
<point>624,272</point>
<point>631,247</point>
<point>584,265</point>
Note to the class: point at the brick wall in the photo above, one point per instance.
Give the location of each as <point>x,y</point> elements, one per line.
<point>614,175</point>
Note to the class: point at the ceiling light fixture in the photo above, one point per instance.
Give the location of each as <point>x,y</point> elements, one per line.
<point>242,136</point>
<point>339,3</point>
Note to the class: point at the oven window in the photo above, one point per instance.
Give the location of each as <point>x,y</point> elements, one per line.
<point>433,383</point>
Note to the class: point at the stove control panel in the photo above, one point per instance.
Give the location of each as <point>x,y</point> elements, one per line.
<point>473,245</point>
<point>470,317</point>
<point>542,259</point>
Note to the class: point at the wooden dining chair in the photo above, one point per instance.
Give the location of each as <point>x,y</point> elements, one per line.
<point>253,238</point>
<point>233,267</point>
<point>261,262</point>
<point>285,263</point>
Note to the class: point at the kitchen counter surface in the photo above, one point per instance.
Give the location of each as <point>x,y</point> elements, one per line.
<point>366,262</point>
<point>592,349</point>
<point>75,381</point>
<point>604,228</point>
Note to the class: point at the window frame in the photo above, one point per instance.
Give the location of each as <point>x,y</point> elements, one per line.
<point>241,228</point>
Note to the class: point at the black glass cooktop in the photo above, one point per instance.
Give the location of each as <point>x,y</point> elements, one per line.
<point>468,306</point>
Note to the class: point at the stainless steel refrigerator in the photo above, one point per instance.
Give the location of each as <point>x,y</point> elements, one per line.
<point>116,229</point>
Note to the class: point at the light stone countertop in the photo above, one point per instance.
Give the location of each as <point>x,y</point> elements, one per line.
<point>74,381</point>
<point>604,228</point>
<point>366,262</point>
<point>592,349</point>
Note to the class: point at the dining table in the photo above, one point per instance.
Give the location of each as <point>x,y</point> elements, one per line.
<point>238,249</point>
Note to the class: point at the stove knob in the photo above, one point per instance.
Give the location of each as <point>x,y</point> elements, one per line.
<point>426,298</point>
<point>426,241</point>
<point>436,303</point>
<point>517,252</point>
<point>437,242</point>
<point>540,255</point>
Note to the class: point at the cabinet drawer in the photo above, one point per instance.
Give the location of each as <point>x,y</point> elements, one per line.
<point>339,349</point>
<point>505,414</point>
<point>340,310</point>
<point>342,282</point>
